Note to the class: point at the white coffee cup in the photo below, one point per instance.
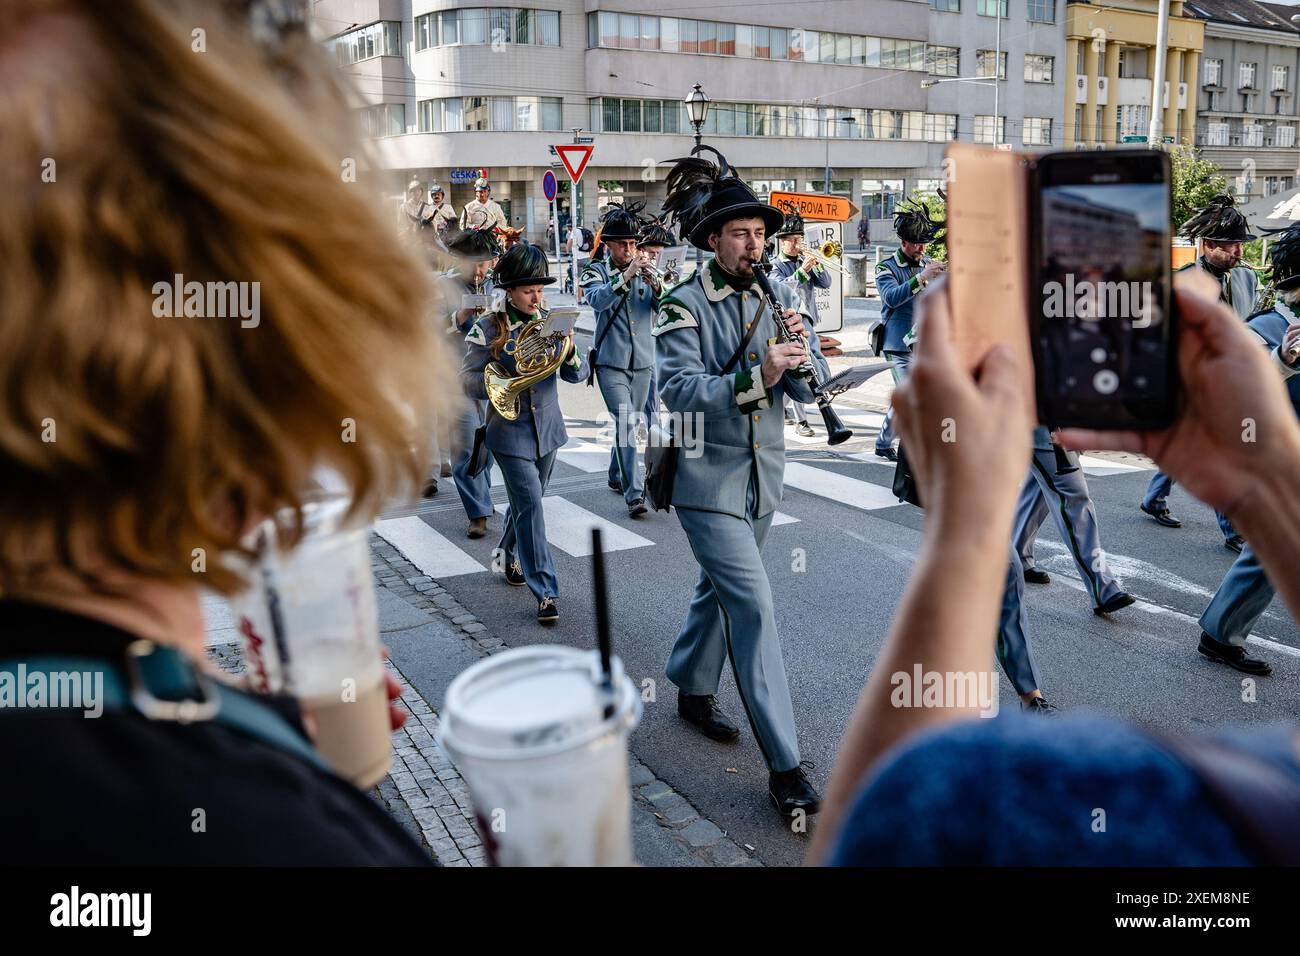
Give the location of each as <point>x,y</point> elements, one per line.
<point>542,744</point>
<point>309,624</point>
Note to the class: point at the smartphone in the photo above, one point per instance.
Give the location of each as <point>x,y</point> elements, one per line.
<point>1103,327</point>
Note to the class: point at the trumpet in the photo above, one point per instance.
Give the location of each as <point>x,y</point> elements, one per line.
<point>827,256</point>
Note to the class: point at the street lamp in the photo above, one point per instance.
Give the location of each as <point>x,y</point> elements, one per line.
<point>827,168</point>
<point>697,108</point>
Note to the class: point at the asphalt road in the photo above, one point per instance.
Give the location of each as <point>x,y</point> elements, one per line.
<point>837,571</point>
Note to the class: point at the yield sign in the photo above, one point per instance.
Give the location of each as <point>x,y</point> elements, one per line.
<point>568,153</point>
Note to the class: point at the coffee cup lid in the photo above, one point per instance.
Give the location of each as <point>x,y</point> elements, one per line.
<point>532,701</point>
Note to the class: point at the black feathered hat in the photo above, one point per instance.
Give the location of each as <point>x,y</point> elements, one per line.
<point>1219,220</point>
<point>915,222</point>
<point>655,233</point>
<point>474,245</point>
<point>522,264</point>
<point>793,225</point>
<point>702,197</point>
<point>621,222</point>
<point>1284,258</point>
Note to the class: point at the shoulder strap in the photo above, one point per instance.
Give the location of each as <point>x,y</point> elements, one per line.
<point>622,304</point>
<point>170,673</point>
<point>744,342</point>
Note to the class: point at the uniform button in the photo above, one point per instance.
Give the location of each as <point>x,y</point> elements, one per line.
<point>755,446</point>
<point>752,356</point>
<point>755,419</point>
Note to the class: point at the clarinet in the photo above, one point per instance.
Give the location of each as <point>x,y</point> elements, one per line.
<point>835,430</point>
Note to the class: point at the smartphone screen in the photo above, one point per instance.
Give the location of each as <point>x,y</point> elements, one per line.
<point>1104,333</point>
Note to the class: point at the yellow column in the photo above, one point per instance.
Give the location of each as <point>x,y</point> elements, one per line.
<point>1090,108</point>
<point>1173,69</point>
<point>1193,73</point>
<point>1108,111</point>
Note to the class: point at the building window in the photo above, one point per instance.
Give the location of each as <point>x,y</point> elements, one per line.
<point>762,43</point>
<point>1216,134</point>
<point>1213,72</point>
<point>1042,11</point>
<point>548,27</point>
<point>708,36</point>
<point>727,39</point>
<point>1252,134</point>
<point>1281,77</point>
<point>611,120</point>
<point>1214,101</point>
<point>669,35</point>
<point>377,39</point>
<point>984,60</point>
<point>946,6</point>
<point>1038,68</point>
<point>1078,123</point>
<point>1037,131</point>
<point>632,116</point>
<point>942,60</point>
<point>426,31</point>
<point>384,119</point>
<point>744,41</point>
<point>649,33</point>
<point>940,127</point>
<point>879,197</point>
<point>474,27</point>
<point>1284,136</point>
<point>986,131</point>
<point>690,36</point>
<point>991,8</point>
<point>780,43</point>
<point>928,187</point>
<point>1246,76</point>
<point>629,31</point>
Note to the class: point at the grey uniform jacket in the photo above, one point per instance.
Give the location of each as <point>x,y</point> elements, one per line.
<point>1271,328</point>
<point>539,429</point>
<point>793,275</point>
<point>631,307</point>
<point>700,324</point>
<point>1238,287</point>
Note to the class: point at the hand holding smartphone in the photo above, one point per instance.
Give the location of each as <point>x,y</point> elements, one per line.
<point>1073,248</point>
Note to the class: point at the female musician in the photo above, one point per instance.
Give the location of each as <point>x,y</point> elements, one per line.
<point>525,448</point>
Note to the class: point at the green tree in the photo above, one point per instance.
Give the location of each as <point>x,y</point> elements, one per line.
<point>1195,182</point>
<point>939,210</point>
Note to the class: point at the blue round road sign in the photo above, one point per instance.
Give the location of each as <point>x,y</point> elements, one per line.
<point>548,185</point>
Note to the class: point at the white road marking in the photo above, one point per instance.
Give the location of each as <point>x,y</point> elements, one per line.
<point>425,548</point>
<point>837,487</point>
<point>568,527</point>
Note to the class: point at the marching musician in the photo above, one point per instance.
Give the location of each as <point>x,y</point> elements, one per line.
<point>1246,591</point>
<point>444,216</point>
<point>524,448</point>
<point>898,280</point>
<point>474,252</point>
<point>1221,229</point>
<point>804,274</point>
<point>623,291</point>
<point>655,238</point>
<point>482,212</point>
<point>724,369</point>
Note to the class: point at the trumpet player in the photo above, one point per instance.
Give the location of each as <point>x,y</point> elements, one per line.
<point>803,273</point>
<point>622,288</point>
<point>524,447</point>
<point>475,251</point>
<point>655,238</point>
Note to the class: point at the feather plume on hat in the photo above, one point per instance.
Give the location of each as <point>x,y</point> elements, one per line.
<point>1218,220</point>
<point>915,221</point>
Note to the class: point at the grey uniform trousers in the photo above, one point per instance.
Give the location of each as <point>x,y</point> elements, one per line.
<point>732,616</point>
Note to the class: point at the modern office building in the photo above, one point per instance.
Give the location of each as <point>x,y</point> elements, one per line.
<point>1111,54</point>
<point>451,89</point>
<point>1247,110</point>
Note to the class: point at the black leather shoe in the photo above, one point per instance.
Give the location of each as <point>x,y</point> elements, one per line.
<point>1039,707</point>
<point>477,528</point>
<point>1118,602</point>
<point>702,710</point>
<point>445,471</point>
<point>790,791</point>
<point>887,453</point>
<point>548,612</point>
<point>1234,656</point>
<point>515,575</point>
<point>430,488</point>
<point>616,487</point>
<point>1162,516</point>
<point>1034,576</point>
<point>637,508</point>
<point>1235,543</point>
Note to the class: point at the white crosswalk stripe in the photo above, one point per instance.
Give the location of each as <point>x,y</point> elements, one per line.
<point>568,527</point>
<point>588,456</point>
<point>425,548</point>
<point>1095,467</point>
<point>836,487</point>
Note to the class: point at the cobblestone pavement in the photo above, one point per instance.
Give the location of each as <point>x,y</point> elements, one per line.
<point>426,794</point>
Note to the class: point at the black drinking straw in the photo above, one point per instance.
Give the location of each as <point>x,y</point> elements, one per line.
<point>602,617</point>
